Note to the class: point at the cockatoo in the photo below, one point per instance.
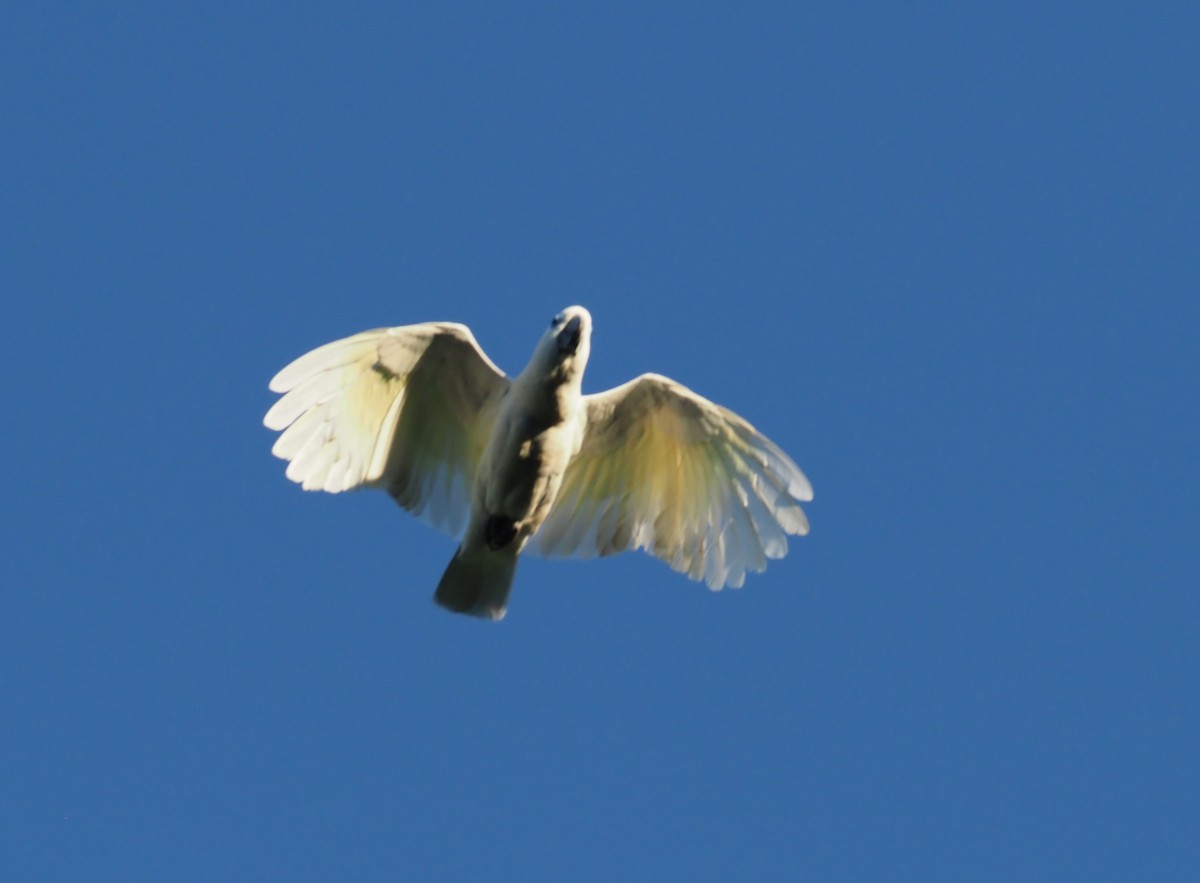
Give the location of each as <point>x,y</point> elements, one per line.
<point>531,463</point>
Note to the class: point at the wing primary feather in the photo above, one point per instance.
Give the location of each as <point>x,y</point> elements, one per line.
<point>293,439</point>
<point>299,468</point>
<point>777,461</point>
<point>323,358</point>
<point>750,551</point>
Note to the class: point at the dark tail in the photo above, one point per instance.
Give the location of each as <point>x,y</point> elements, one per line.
<point>477,582</point>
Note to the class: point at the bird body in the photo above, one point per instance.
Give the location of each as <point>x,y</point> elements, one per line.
<point>531,462</point>
<point>537,431</point>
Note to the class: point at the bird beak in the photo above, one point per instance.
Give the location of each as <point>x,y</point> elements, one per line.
<point>568,338</point>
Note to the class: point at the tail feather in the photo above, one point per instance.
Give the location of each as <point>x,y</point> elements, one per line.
<point>477,582</point>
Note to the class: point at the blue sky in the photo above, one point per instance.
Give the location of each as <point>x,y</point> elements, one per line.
<point>944,254</point>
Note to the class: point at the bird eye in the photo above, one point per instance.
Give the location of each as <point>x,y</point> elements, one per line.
<point>556,320</point>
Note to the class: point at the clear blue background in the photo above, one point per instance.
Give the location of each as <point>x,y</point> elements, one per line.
<point>944,254</point>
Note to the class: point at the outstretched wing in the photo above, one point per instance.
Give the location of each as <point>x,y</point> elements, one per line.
<point>407,409</point>
<point>692,483</point>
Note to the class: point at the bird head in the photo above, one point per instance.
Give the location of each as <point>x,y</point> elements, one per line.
<point>565,346</point>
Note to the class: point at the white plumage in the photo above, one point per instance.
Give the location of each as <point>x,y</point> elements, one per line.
<point>530,463</point>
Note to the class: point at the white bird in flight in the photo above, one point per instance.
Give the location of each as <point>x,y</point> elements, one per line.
<point>531,463</point>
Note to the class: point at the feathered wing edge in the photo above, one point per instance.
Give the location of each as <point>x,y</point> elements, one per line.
<point>407,409</point>
<point>692,483</point>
